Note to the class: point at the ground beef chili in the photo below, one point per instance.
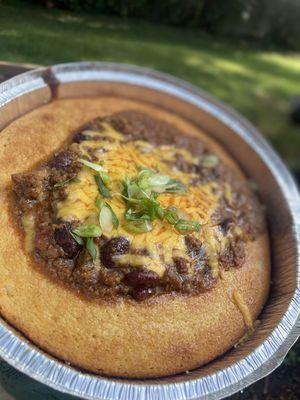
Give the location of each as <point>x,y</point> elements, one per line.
<point>59,254</point>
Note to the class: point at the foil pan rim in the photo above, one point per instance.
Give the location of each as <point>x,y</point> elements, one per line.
<point>36,364</point>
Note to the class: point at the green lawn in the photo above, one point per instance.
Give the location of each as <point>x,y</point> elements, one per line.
<point>258,82</point>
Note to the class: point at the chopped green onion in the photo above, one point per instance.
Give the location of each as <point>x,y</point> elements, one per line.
<point>77,238</point>
<point>132,215</point>
<point>104,177</point>
<point>115,220</point>
<point>101,187</point>
<point>138,226</point>
<point>98,203</point>
<point>143,177</point>
<point>171,215</point>
<point>88,231</point>
<point>210,161</point>
<point>141,195</point>
<point>151,181</point>
<point>187,226</point>
<point>106,215</point>
<point>160,213</point>
<point>107,218</point>
<point>92,248</point>
<point>175,186</point>
<point>95,167</point>
<point>158,182</point>
<point>136,192</point>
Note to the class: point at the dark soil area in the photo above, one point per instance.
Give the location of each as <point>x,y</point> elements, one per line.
<point>282,384</point>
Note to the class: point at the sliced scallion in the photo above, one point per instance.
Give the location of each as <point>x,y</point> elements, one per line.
<point>95,167</point>
<point>132,215</point>
<point>174,186</point>
<point>171,215</point>
<point>141,226</point>
<point>101,187</point>
<point>107,216</point>
<point>104,177</point>
<point>105,219</point>
<point>92,248</point>
<point>115,220</point>
<point>77,238</point>
<point>210,161</point>
<point>187,226</point>
<point>88,231</point>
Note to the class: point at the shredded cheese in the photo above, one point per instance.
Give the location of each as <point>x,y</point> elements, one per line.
<point>242,306</point>
<point>121,160</point>
<point>28,224</point>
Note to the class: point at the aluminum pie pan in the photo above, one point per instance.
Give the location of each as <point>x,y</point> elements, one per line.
<point>280,320</point>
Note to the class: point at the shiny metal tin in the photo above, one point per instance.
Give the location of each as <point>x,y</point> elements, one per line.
<point>280,321</point>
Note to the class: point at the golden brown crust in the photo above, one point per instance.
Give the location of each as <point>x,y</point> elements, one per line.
<point>159,337</point>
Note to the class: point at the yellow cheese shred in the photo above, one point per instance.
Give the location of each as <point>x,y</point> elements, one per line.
<point>140,261</point>
<point>242,306</point>
<point>28,224</point>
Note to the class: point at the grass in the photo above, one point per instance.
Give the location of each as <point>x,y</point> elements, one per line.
<point>258,82</point>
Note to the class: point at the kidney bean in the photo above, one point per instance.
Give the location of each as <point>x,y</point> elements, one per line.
<point>142,278</point>
<point>64,239</point>
<point>113,247</point>
<point>141,294</point>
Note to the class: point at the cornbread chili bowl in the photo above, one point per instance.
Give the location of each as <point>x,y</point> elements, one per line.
<point>169,324</point>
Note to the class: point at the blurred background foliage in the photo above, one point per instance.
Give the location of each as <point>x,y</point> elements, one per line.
<point>242,51</point>
<point>267,20</point>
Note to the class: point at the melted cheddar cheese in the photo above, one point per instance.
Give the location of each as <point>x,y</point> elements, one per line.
<point>28,225</point>
<point>244,309</point>
<point>121,159</point>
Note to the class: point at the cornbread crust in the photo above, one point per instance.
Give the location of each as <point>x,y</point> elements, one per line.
<point>161,336</point>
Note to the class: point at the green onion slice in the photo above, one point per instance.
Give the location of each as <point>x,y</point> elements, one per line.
<point>92,248</point>
<point>115,220</point>
<point>138,226</point>
<point>77,238</point>
<point>101,187</point>
<point>174,186</point>
<point>151,181</point>
<point>87,231</point>
<point>95,167</point>
<point>104,177</point>
<point>132,215</point>
<point>158,183</point>
<point>187,226</point>
<point>171,215</point>
<point>210,161</point>
<point>107,218</point>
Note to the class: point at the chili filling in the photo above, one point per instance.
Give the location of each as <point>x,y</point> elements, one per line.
<point>134,208</point>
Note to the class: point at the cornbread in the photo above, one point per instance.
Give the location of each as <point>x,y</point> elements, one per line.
<point>133,245</point>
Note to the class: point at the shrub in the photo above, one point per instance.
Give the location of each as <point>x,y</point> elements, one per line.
<point>273,20</point>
